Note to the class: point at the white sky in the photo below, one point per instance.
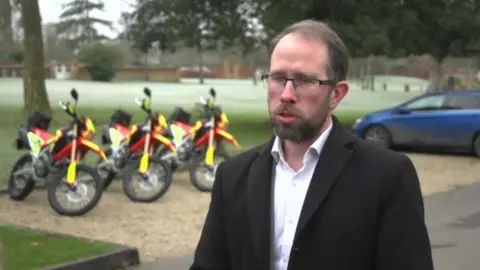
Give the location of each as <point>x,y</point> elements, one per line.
<point>51,10</point>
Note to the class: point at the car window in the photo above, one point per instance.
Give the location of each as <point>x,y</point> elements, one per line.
<point>427,103</point>
<point>462,102</point>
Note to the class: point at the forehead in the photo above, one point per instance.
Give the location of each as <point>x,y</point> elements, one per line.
<point>296,53</point>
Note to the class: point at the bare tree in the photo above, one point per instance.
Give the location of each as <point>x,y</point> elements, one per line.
<point>35,94</point>
<point>6,37</point>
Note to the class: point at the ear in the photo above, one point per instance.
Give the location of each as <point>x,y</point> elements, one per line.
<point>339,91</point>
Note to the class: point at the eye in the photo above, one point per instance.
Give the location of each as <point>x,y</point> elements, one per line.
<point>278,79</point>
<point>306,81</point>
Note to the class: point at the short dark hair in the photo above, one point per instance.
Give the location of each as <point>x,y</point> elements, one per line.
<point>338,61</point>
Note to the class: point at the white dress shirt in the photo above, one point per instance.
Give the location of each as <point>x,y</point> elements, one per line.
<point>290,188</point>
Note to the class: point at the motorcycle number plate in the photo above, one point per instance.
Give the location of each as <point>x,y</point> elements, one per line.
<point>35,143</point>
<point>116,138</point>
<point>178,133</point>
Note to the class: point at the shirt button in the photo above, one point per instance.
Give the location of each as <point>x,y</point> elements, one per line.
<point>290,221</point>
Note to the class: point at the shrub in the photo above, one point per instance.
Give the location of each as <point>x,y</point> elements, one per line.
<point>99,60</point>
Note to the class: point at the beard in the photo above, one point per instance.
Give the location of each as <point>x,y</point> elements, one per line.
<point>305,128</point>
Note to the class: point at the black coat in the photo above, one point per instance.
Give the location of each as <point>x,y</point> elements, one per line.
<point>363,211</point>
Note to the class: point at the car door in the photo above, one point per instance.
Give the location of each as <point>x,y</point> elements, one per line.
<point>463,120</point>
<point>418,122</point>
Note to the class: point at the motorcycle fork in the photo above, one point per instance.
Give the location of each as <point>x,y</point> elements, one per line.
<point>211,147</point>
<point>72,167</point>
<point>144,160</point>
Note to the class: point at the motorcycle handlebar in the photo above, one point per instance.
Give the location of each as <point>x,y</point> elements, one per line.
<point>62,105</point>
<point>138,101</point>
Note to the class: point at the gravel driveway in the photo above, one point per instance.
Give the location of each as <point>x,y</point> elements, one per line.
<point>171,226</point>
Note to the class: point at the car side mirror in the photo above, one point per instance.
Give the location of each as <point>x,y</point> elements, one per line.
<point>402,110</point>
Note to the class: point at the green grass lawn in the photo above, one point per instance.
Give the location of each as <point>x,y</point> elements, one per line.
<point>25,249</point>
<point>236,96</point>
<point>249,129</point>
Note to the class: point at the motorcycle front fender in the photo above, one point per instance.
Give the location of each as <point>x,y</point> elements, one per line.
<point>227,136</point>
<point>91,146</point>
<point>164,140</point>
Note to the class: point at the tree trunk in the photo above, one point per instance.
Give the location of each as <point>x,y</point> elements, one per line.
<point>200,63</point>
<point>34,64</point>
<point>371,73</point>
<point>1,255</point>
<point>436,76</point>
<point>6,34</point>
<point>147,73</point>
<point>254,68</point>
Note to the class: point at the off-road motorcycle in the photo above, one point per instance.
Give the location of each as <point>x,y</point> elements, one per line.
<point>57,157</point>
<point>131,151</point>
<point>198,145</point>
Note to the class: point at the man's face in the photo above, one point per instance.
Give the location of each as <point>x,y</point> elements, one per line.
<point>299,113</point>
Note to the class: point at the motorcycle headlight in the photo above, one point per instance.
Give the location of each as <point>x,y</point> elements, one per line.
<point>223,125</point>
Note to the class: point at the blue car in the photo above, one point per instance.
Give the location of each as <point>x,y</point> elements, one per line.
<point>446,121</point>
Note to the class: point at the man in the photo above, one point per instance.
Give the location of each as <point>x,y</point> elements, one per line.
<point>314,196</point>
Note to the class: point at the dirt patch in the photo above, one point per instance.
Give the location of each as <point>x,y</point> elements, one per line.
<point>443,173</point>
<point>171,226</point>
<point>167,228</point>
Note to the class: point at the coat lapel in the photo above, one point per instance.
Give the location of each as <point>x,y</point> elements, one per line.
<point>259,200</point>
<point>334,157</point>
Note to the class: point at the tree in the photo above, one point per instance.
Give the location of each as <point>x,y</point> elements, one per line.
<point>77,25</point>
<point>6,34</point>
<point>195,22</point>
<point>177,23</point>
<point>6,21</point>
<point>237,28</point>
<point>55,48</point>
<point>147,28</point>
<point>251,24</point>
<point>99,59</point>
<point>35,94</point>
<point>440,28</point>
<point>389,27</point>
<point>363,25</point>
<point>149,25</point>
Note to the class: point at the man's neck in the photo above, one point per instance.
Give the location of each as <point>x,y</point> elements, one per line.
<point>293,152</point>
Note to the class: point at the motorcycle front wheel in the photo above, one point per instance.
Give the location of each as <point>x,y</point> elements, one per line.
<point>16,191</point>
<point>198,168</point>
<point>157,181</point>
<point>76,192</point>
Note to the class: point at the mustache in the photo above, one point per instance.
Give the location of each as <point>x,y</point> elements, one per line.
<point>287,108</point>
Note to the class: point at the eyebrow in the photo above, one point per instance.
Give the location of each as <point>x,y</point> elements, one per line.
<point>295,74</point>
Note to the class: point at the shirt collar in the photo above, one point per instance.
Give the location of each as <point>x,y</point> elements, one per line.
<point>316,147</point>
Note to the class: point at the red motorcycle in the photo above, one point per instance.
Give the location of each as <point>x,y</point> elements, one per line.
<point>200,146</point>
<point>58,156</point>
<point>132,151</point>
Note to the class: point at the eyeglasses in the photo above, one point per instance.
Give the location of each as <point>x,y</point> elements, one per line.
<point>278,82</point>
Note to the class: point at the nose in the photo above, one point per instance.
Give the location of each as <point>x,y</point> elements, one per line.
<point>288,95</point>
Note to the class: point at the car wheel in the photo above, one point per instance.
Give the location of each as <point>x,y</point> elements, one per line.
<point>476,145</point>
<point>377,135</point>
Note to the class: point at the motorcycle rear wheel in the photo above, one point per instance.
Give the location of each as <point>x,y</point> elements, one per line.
<point>58,181</point>
<point>20,193</point>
